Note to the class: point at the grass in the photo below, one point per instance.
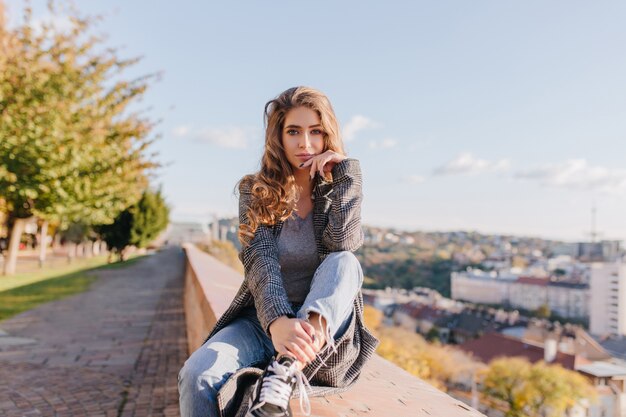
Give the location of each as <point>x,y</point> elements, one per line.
<point>78,264</point>
<point>21,279</point>
<point>24,298</point>
<point>58,284</point>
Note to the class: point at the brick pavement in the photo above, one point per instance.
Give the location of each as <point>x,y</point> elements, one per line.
<point>114,350</point>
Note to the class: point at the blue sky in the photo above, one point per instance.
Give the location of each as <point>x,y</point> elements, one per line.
<point>501,117</point>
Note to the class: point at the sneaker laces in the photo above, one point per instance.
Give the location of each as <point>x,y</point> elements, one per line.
<point>276,389</point>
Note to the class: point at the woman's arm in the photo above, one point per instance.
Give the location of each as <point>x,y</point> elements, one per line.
<point>262,268</point>
<point>343,231</point>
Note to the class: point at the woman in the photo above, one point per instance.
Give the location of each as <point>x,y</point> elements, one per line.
<point>300,221</point>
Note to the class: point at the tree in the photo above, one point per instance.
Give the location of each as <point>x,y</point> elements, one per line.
<point>554,390</point>
<point>434,363</point>
<point>117,234</point>
<point>150,218</point>
<point>70,150</point>
<point>543,311</point>
<point>138,225</point>
<point>433,334</point>
<point>534,390</point>
<point>373,317</point>
<point>505,380</point>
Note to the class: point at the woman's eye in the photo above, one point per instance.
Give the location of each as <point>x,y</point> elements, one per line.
<point>292,132</point>
<point>316,132</point>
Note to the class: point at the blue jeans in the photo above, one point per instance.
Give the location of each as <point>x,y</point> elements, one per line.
<point>243,343</point>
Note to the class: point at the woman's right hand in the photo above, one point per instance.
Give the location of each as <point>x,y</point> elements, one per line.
<point>293,336</point>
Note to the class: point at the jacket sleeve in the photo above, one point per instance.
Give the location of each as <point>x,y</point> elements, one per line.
<point>262,268</point>
<point>343,231</point>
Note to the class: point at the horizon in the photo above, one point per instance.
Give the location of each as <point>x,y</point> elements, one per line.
<point>401,230</point>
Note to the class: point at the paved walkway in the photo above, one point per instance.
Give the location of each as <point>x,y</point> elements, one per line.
<point>114,350</point>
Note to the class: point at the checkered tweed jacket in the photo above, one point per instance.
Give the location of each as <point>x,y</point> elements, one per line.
<point>337,227</point>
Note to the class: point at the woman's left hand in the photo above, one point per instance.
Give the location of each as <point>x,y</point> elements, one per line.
<point>323,162</point>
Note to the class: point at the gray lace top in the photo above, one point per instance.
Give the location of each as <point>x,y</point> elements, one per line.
<point>298,257</point>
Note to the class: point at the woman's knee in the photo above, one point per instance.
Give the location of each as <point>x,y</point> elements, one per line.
<point>206,370</point>
<point>194,379</point>
<point>346,263</point>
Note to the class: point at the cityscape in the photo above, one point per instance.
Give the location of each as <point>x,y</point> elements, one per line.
<point>557,302</point>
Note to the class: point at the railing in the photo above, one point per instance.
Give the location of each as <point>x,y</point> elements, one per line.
<point>383,390</point>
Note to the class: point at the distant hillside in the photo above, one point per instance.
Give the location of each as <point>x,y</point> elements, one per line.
<point>393,258</point>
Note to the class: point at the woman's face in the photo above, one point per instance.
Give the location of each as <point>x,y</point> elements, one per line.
<point>302,136</point>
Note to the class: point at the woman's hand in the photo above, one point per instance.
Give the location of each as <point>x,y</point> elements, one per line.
<point>294,336</point>
<point>323,162</point>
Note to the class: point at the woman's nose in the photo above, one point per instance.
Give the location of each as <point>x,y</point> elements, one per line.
<point>304,142</point>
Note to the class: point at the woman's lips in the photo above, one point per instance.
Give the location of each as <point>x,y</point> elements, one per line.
<point>304,157</point>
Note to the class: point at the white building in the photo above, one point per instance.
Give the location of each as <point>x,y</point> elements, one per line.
<point>570,300</point>
<point>608,299</point>
<point>609,380</point>
<point>181,232</point>
<point>479,287</point>
<point>529,293</point>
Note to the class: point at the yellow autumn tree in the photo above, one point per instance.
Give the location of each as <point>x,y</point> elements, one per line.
<point>433,363</point>
<point>537,389</point>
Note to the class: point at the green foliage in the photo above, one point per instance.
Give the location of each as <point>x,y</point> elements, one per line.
<point>70,150</point>
<point>433,335</point>
<point>117,234</point>
<point>76,232</point>
<point>543,311</point>
<point>534,389</point>
<point>138,225</point>
<point>405,267</point>
<point>150,217</point>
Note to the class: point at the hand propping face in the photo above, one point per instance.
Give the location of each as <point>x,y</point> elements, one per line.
<point>323,163</point>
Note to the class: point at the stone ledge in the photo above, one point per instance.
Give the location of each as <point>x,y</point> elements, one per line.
<point>383,390</point>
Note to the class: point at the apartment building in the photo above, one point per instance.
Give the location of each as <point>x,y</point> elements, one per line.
<point>570,300</point>
<point>608,299</point>
<point>479,287</point>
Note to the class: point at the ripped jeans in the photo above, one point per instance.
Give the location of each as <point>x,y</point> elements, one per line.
<point>243,343</point>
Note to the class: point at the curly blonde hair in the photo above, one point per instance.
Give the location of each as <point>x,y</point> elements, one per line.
<point>273,188</point>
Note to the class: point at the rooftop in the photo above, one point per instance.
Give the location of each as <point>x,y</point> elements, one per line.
<point>494,345</point>
<point>603,369</point>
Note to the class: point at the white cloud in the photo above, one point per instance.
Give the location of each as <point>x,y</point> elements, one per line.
<point>467,164</point>
<point>229,137</point>
<point>415,179</point>
<point>356,124</point>
<point>578,174</point>
<point>181,131</point>
<point>383,144</point>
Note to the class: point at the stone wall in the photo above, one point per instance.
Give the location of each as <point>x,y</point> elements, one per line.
<point>383,390</point>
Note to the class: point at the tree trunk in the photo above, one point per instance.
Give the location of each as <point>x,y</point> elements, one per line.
<point>10,260</point>
<point>71,252</point>
<point>95,248</point>
<point>56,243</point>
<point>43,243</point>
<point>89,248</point>
<point>80,250</point>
